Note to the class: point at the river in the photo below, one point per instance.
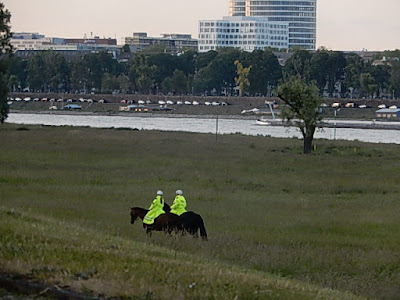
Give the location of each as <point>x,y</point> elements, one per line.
<point>203,125</point>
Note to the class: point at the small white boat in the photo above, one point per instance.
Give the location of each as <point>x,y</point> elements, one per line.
<point>254,110</point>
<point>263,122</point>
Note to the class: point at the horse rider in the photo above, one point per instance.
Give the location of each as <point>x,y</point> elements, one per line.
<point>155,209</point>
<point>179,205</point>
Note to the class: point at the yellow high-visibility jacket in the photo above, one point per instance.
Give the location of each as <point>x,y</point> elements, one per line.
<point>155,209</point>
<point>179,205</point>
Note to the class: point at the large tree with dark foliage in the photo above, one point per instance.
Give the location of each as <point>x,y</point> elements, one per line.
<point>5,49</point>
<point>302,102</point>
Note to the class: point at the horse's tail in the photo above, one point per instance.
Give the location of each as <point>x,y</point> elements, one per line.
<point>203,232</point>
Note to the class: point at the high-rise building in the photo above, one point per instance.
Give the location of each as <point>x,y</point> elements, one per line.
<point>245,33</point>
<point>299,14</point>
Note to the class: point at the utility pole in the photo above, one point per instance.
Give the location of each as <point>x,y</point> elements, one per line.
<point>334,124</point>
<point>216,131</point>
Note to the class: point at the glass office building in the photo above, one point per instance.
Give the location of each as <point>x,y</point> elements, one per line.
<point>245,33</point>
<point>299,14</point>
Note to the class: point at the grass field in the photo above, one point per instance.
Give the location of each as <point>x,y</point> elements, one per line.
<point>281,225</point>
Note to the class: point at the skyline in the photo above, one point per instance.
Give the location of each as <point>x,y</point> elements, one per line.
<point>351,25</point>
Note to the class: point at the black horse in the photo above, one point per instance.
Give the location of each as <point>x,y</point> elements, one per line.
<point>165,222</point>
<point>192,223</point>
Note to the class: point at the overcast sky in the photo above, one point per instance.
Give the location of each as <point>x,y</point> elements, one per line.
<point>342,24</point>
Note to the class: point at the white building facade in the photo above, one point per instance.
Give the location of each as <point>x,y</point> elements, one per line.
<point>27,43</point>
<point>299,14</point>
<point>245,33</point>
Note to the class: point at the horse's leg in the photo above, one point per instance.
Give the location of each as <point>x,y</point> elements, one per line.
<point>170,228</point>
<point>149,229</point>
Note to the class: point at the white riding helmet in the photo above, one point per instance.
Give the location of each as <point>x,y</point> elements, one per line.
<point>160,193</point>
<point>179,192</point>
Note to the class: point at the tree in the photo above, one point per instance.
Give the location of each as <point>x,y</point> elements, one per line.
<point>298,64</point>
<point>355,67</point>
<point>203,59</point>
<point>242,80</point>
<point>165,63</point>
<point>126,49</point>
<point>368,86</point>
<point>265,72</point>
<point>79,74</point>
<point>97,65</point>
<point>124,83</point>
<point>179,82</point>
<point>109,83</point>
<point>336,70</point>
<point>381,75</point>
<point>319,68</point>
<point>220,73</point>
<point>142,73</point>
<point>395,77</point>
<point>302,101</point>
<point>5,49</point>
<point>16,73</point>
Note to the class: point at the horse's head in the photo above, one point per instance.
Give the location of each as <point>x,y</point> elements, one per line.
<point>134,215</point>
<point>137,212</point>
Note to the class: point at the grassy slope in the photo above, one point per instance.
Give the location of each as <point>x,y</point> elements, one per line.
<point>328,219</point>
<point>91,261</point>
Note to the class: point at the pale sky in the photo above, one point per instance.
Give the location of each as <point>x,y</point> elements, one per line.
<point>341,24</point>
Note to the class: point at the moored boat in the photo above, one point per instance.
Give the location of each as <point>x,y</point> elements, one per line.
<point>262,122</point>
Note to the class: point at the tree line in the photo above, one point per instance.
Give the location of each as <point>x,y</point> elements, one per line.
<point>335,73</point>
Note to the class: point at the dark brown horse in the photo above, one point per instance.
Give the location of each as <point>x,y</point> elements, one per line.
<point>165,222</point>
<point>192,223</point>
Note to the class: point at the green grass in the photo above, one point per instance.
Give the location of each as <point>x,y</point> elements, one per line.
<point>287,225</point>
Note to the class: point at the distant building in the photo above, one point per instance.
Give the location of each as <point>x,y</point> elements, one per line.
<point>245,33</point>
<point>174,43</point>
<point>299,14</point>
<point>27,43</point>
<point>92,41</point>
<point>32,41</point>
<point>388,113</point>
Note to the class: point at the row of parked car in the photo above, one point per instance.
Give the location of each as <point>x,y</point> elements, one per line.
<point>355,105</point>
<point>140,102</point>
<point>170,102</point>
<point>29,99</point>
